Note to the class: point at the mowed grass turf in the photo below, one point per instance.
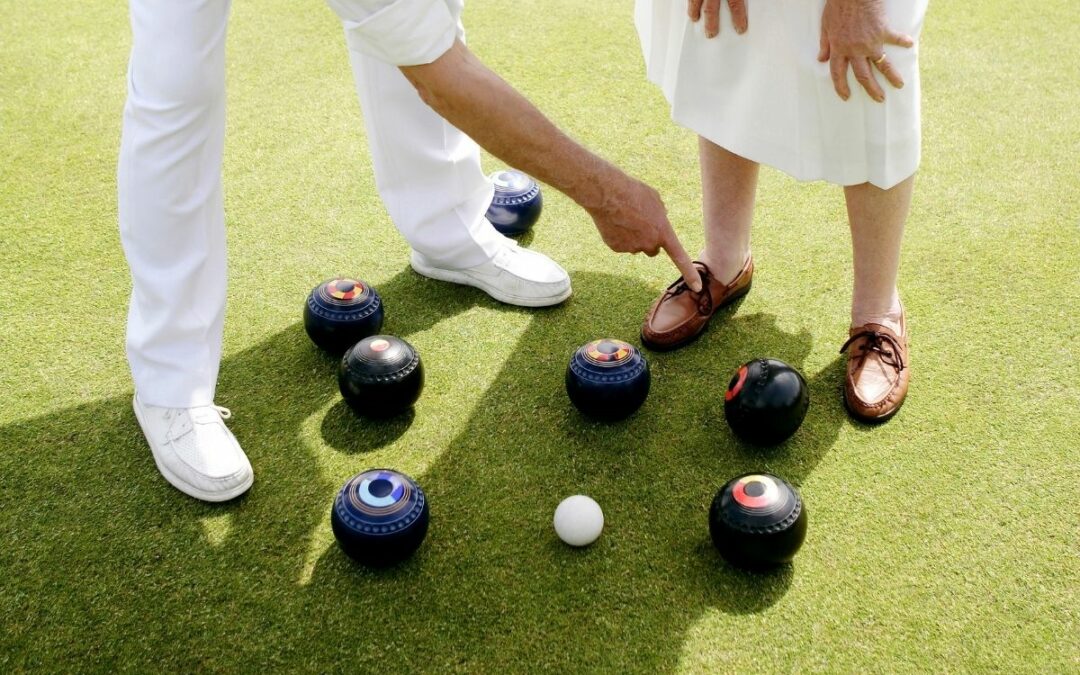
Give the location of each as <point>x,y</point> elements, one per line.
<point>945,540</point>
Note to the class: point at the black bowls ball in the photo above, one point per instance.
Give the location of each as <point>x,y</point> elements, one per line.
<point>381,376</point>
<point>766,401</point>
<point>517,202</point>
<point>380,517</point>
<point>607,379</point>
<point>341,312</point>
<point>757,521</point>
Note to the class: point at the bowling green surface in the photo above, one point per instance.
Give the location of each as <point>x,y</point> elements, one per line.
<point>943,540</point>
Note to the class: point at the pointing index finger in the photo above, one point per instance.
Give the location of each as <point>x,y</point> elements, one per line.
<point>674,249</point>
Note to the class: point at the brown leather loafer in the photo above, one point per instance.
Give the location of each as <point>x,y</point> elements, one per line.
<point>680,315</point>
<point>878,372</point>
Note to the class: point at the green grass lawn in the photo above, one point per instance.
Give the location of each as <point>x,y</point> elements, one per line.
<point>945,540</point>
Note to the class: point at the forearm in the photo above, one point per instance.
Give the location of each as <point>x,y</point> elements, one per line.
<point>474,99</point>
<point>629,215</point>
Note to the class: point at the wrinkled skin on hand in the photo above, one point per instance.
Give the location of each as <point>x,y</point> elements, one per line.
<point>632,218</point>
<point>854,32</point>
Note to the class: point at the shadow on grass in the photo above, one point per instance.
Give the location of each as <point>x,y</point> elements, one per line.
<point>347,432</point>
<point>107,565</point>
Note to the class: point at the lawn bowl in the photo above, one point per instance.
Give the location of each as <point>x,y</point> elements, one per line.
<point>766,401</point>
<point>517,202</point>
<point>757,520</point>
<point>340,312</point>
<point>607,379</point>
<point>381,376</point>
<point>380,517</point>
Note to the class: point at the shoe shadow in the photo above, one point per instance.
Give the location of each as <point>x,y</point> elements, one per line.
<point>169,580</point>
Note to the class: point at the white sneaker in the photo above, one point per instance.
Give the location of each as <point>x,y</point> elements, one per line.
<point>195,451</point>
<point>515,275</point>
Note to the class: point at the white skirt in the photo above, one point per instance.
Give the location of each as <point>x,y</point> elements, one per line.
<point>763,95</point>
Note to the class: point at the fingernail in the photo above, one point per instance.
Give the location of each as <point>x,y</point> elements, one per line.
<point>710,34</point>
<point>740,30</point>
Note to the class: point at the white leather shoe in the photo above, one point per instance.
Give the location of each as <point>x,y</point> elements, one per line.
<point>195,451</point>
<point>515,275</point>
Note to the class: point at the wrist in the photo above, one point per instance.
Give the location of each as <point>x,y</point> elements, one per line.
<point>594,184</point>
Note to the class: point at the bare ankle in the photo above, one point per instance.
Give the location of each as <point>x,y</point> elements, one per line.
<point>890,315</point>
<point>725,267</point>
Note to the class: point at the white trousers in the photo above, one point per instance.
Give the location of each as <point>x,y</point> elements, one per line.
<point>171,207</point>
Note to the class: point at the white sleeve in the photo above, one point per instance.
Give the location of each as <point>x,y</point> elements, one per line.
<point>398,32</point>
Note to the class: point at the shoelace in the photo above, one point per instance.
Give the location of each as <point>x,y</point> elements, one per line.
<point>876,342</point>
<point>179,427</point>
<point>704,298</point>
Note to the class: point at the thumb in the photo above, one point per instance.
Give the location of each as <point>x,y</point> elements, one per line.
<point>901,39</point>
<point>823,46</point>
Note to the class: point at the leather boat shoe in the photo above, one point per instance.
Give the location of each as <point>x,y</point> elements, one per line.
<point>680,315</point>
<point>878,371</point>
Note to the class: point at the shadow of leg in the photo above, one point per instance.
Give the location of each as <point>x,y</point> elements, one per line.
<point>490,588</point>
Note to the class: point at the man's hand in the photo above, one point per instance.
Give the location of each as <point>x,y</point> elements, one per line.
<point>854,32</point>
<point>629,214</point>
<point>631,218</point>
<point>710,9</point>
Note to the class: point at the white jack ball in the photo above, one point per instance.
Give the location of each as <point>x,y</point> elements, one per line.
<point>578,520</point>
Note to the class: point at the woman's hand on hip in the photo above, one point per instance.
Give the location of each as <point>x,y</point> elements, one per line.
<point>853,32</point>
<point>710,9</point>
